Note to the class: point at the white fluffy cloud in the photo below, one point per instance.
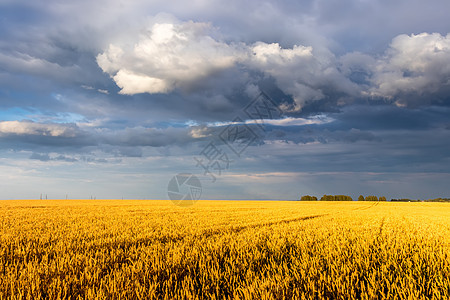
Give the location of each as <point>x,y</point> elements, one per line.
<point>175,55</point>
<point>414,66</point>
<point>168,56</point>
<point>41,129</point>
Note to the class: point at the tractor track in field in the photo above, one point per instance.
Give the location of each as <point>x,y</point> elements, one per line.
<point>208,233</point>
<point>237,229</point>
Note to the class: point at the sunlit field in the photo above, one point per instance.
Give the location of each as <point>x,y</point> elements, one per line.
<point>224,250</point>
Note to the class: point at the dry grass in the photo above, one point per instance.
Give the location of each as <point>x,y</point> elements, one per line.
<point>110,249</point>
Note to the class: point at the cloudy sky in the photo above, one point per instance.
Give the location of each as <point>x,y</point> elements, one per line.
<point>258,99</point>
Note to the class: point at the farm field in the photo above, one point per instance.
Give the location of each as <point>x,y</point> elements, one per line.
<point>138,249</point>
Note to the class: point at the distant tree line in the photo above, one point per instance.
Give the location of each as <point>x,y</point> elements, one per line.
<point>367,198</point>
<point>336,198</point>
<point>327,198</point>
<point>405,200</point>
<point>371,198</point>
<point>427,200</point>
<point>438,200</point>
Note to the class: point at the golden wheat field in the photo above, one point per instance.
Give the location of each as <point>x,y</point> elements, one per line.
<point>108,249</point>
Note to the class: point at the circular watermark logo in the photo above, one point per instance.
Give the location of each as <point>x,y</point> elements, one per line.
<point>184,189</point>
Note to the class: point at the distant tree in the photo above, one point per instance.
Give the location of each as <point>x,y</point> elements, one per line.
<point>336,198</point>
<point>371,198</point>
<point>327,198</point>
<point>342,198</point>
<point>308,198</point>
<point>361,198</point>
<point>382,198</point>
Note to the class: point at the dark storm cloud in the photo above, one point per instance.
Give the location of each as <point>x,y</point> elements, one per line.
<point>57,137</point>
<point>381,116</point>
<point>355,150</point>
